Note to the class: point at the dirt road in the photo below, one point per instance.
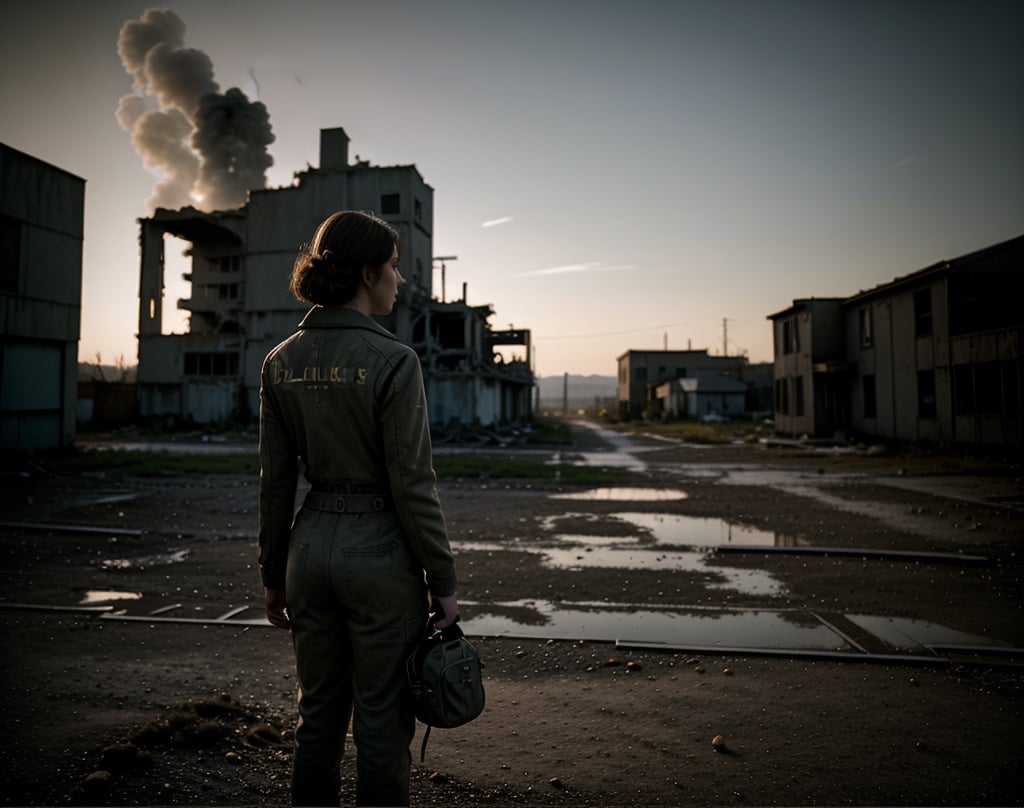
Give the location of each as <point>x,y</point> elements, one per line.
<point>856,648</point>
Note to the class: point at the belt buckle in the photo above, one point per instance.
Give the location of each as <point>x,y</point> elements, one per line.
<point>339,504</point>
<point>378,503</point>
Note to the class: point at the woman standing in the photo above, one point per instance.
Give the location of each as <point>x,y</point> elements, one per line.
<point>350,574</point>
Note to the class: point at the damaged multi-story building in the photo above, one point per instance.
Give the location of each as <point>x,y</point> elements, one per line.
<point>240,306</point>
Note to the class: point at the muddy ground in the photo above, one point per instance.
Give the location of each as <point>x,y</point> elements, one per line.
<point>118,708</point>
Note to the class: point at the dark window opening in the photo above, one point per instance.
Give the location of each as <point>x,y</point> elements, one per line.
<point>390,204</point>
<point>923,313</point>
<point>926,394</point>
<point>988,389</point>
<point>10,254</point>
<point>798,395</point>
<point>790,336</point>
<point>963,389</point>
<point>870,397</point>
<point>782,396</point>
<point>450,332</point>
<point>982,302</point>
<point>866,335</point>
<point>211,363</point>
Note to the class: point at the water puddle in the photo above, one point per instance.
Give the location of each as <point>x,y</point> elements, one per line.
<point>693,628</point>
<point>716,630</point>
<point>906,634</point>
<point>694,531</point>
<point>144,562</point>
<point>750,582</point>
<point>106,595</point>
<point>624,494</point>
<point>608,552</point>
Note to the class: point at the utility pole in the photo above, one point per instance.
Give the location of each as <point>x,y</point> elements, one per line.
<point>725,337</point>
<point>442,259</point>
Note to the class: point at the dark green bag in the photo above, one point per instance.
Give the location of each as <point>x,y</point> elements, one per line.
<point>446,678</point>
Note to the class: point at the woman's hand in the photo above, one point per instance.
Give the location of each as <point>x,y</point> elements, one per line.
<point>447,608</point>
<point>277,608</point>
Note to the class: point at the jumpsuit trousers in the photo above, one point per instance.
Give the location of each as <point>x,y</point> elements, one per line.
<point>358,604</point>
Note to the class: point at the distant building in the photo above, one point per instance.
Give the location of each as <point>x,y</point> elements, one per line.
<point>240,306</point>
<point>701,397</point>
<point>932,356</point>
<point>41,231</point>
<point>642,372</point>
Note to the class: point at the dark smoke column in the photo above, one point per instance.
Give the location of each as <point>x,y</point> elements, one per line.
<point>208,147</point>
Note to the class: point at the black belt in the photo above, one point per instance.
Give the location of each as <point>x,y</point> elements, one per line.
<point>350,487</point>
<point>347,503</point>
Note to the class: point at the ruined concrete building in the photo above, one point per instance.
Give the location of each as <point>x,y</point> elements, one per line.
<point>240,306</point>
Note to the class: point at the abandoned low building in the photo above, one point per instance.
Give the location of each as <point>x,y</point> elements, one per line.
<point>42,210</point>
<point>642,374</point>
<point>933,356</point>
<point>240,306</point>
<point>702,397</point>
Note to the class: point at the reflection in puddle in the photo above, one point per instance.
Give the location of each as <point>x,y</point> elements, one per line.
<point>104,596</point>
<point>693,628</point>
<point>142,562</point>
<point>669,528</point>
<point>906,634</point>
<point>750,582</point>
<point>633,550</point>
<point>624,494</point>
<point>693,531</point>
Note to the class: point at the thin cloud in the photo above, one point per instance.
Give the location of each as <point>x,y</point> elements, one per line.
<point>589,266</point>
<point>496,222</point>
<point>906,161</point>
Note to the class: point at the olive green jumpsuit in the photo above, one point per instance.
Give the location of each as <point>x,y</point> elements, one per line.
<point>343,397</point>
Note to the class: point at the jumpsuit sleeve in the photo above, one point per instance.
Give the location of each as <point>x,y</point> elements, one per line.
<point>409,458</point>
<point>279,476</point>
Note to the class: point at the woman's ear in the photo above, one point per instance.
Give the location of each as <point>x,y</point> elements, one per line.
<point>368,277</point>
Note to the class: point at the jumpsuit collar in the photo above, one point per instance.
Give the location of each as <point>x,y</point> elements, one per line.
<point>340,317</point>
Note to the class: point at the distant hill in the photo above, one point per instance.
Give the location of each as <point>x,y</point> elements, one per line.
<point>582,390</point>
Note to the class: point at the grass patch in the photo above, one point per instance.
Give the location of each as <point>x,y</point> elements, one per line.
<point>156,464</point>
<point>691,431</point>
<point>128,463</point>
<point>550,433</point>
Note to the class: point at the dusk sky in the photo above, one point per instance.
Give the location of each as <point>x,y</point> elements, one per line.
<point>611,175</point>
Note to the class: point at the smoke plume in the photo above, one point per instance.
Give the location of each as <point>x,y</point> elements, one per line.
<point>209,148</point>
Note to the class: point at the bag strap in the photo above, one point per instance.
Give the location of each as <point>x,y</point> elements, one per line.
<point>423,746</point>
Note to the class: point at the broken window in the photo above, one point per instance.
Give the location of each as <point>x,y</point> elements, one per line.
<point>923,313</point>
<point>866,330</point>
<point>211,363</point>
